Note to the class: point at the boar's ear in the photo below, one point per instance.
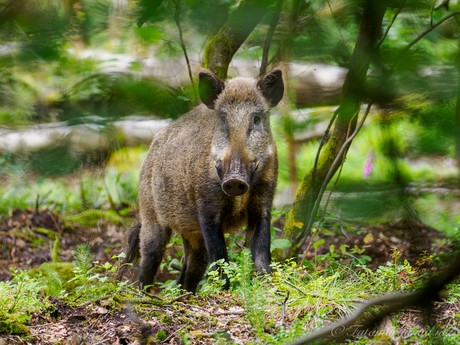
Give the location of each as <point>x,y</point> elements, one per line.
<point>210,87</point>
<point>272,87</point>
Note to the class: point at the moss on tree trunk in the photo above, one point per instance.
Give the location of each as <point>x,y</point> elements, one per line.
<point>220,50</point>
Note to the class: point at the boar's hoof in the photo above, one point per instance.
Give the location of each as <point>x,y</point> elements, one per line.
<point>235,187</point>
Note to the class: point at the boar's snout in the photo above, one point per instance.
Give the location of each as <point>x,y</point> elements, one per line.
<point>235,186</point>
<point>235,175</point>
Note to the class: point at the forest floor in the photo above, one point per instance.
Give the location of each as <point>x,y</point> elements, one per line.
<point>219,317</point>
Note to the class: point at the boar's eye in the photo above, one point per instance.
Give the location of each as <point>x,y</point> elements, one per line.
<point>256,119</point>
<point>223,117</point>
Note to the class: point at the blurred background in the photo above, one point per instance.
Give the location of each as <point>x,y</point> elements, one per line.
<point>85,85</point>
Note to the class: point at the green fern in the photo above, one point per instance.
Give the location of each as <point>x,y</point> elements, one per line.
<point>54,280</point>
<point>252,293</point>
<point>83,271</point>
<point>83,258</point>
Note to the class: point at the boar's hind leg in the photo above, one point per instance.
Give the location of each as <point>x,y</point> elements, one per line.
<point>153,241</point>
<point>259,229</point>
<point>195,264</point>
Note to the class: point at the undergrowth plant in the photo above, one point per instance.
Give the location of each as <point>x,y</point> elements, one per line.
<point>54,282</point>
<point>19,298</point>
<point>94,278</point>
<point>394,276</point>
<point>253,292</point>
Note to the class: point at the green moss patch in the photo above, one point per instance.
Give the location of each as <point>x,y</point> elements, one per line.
<point>90,218</point>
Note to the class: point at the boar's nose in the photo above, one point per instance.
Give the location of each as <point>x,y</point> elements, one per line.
<point>235,187</point>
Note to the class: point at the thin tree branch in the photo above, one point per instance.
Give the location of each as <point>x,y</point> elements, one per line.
<point>377,47</point>
<point>342,327</point>
<point>423,297</point>
<point>268,40</point>
<point>338,28</point>
<point>327,203</point>
<point>334,166</point>
<point>182,44</point>
<point>6,7</point>
<point>423,34</point>
<point>315,166</point>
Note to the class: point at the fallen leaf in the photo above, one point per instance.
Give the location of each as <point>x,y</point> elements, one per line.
<point>369,237</point>
<point>100,310</point>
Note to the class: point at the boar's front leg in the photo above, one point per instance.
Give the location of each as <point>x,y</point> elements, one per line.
<point>214,241</point>
<point>259,233</point>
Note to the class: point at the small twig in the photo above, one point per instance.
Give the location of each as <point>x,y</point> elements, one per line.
<point>151,295</point>
<point>77,298</point>
<point>96,300</point>
<point>295,287</point>
<point>95,322</point>
<point>173,334</point>
<point>58,227</point>
<point>181,296</point>
<point>230,313</point>
<point>45,324</point>
<point>37,203</point>
<point>103,340</point>
<point>186,305</point>
<point>140,300</point>
<point>283,309</point>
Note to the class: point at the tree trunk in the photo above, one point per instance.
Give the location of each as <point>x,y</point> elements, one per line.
<point>457,118</point>
<point>298,217</point>
<point>220,50</point>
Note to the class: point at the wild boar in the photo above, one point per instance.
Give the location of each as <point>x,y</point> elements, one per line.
<point>210,172</point>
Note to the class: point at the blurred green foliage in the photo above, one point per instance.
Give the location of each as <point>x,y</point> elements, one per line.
<point>85,62</point>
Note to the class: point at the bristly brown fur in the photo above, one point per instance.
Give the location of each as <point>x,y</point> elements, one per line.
<point>131,247</point>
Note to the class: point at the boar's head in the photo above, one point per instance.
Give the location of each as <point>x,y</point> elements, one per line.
<point>243,144</point>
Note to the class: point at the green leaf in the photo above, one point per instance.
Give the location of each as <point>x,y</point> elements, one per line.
<point>318,243</point>
<point>331,248</point>
<point>308,264</point>
<point>366,258</point>
<point>174,261</point>
<point>149,34</point>
<point>343,248</point>
<point>125,211</point>
<point>280,243</point>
